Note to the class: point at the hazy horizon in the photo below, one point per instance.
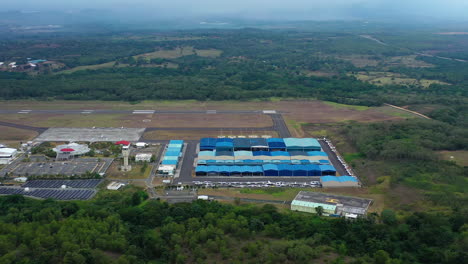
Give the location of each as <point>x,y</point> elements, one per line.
<point>258,9</point>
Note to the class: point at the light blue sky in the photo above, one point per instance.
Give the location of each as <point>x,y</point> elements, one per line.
<point>286,9</point>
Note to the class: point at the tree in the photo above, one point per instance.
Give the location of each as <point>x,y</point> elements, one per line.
<point>381,257</point>
<point>388,217</point>
<point>319,210</point>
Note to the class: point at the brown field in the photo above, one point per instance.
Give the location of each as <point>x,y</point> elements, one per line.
<point>13,136</point>
<point>210,120</point>
<point>197,134</point>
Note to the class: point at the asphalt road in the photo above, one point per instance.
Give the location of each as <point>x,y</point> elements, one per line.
<point>211,128</point>
<point>333,158</point>
<point>187,162</point>
<point>256,179</point>
<point>248,200</point>
<point>280,126</point>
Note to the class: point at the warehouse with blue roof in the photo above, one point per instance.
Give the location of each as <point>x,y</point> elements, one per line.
<point>170,160</point>
<point>270,157</point>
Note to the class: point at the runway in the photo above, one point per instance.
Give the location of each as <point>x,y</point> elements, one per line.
<point>136,111</point>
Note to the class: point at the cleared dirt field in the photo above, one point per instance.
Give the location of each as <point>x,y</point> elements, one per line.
<point>460,157</point>
<point>210,120</point>
<point>197,134</point>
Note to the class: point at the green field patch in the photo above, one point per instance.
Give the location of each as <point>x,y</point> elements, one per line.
<point>180,52</point>
<point>350,157</point>
<point>389,78</point>
<point>110,64</point>
<point>408,61</point>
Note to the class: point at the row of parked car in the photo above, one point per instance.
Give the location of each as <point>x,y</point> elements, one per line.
<point>258,184</point>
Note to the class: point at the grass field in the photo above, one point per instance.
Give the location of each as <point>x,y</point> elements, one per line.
<point>13,136</point>
<point>94,67</point>
<point>387,78</point>
<point>460,157</point>
<point>114,173</point>
<point>180,52</point>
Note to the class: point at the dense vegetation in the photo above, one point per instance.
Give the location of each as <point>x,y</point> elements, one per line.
<point>124,228</point>
<point>254,64</point>
<point>406,152</point>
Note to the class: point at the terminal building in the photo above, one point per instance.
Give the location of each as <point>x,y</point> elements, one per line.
<point>7,155</point>
<point>333,205</point>
<point>69,151</point>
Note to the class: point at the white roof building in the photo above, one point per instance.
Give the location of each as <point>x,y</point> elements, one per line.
<point>7,155</point>
<point>8,152</point>
<point>114,186</point>
<point>143,157</point>
<point>78,149</point>
<point>141,144</point>
<point>166,169</point>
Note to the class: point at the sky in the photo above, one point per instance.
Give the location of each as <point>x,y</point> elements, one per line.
<point>261,9</point>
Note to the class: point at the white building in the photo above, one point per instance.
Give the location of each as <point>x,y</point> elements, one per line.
<point>20,179</point>
<point>141,145</point>
<point>7,155</point>
<point>166,169</point>
<point>114,186</point>
<point>143,157</point>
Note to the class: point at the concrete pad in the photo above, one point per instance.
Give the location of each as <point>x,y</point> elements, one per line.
<point>91,134</point>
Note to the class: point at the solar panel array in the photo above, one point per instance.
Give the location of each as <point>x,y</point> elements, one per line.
<point>85,184</point>
<point>50,193</point>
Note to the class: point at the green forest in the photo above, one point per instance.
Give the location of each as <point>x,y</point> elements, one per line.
<point>127,228</point>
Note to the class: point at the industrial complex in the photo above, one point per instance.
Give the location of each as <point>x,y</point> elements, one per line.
<point>80,154</point>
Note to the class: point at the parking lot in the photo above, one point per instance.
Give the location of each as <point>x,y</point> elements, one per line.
<point>68,168</point>
<point>257,184</point>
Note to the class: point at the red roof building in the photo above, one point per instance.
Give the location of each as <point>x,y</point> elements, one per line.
<point>122,142</point>
<point>67,150</point>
